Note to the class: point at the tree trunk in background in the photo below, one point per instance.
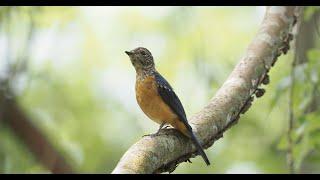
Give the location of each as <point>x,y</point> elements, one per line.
<point>164,152</point>
<point>10,112</point>
<point>306,38</point>
<point>34,139</point>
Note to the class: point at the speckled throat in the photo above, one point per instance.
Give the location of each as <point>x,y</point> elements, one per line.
<point>143,73</point>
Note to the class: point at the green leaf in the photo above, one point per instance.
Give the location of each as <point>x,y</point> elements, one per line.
<point>299,132</point>
<point>313,57</point>
<point>304,103</point>
<point>309,11</point>
<point>283,143</point>
<point>301,150</point>
<point>315,138</point>
<point>301,119</point>
<point>314,121</point>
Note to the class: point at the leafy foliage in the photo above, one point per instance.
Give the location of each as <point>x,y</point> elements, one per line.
<point>79,85</point>
<point>306,104</point>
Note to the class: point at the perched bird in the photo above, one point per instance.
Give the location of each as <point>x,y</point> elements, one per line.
<point>157,99</point>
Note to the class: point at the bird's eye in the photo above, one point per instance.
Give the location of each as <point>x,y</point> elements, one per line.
<point>143,53</point>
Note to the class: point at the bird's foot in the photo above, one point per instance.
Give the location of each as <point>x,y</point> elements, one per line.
<point>157,133</point>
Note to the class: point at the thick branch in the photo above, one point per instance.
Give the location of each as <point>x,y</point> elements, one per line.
<point>163,153</point>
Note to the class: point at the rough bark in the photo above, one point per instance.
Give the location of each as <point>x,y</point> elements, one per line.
<point>164,152</point>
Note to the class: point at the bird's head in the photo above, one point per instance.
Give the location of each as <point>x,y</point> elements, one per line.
<point>141,58</point>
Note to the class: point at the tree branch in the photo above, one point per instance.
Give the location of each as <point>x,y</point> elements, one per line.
<point>164,152</point>
<point>290,160</point>
<point>13,115</point>
<point>35,140</point>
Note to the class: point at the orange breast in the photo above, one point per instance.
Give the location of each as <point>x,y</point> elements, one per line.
<point>151,103</point>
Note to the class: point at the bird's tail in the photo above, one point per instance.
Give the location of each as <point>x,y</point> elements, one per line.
<point>199,147</point>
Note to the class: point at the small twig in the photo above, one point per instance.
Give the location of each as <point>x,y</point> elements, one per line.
<point>290,160</point>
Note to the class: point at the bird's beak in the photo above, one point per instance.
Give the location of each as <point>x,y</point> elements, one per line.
<point>129,53</point>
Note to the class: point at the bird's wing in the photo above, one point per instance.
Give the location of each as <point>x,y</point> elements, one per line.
<point>171,99</point>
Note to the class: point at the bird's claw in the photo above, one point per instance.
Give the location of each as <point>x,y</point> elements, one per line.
<point>157,133</point>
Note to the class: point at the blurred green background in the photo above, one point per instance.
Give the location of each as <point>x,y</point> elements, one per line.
<point>67,70</point>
